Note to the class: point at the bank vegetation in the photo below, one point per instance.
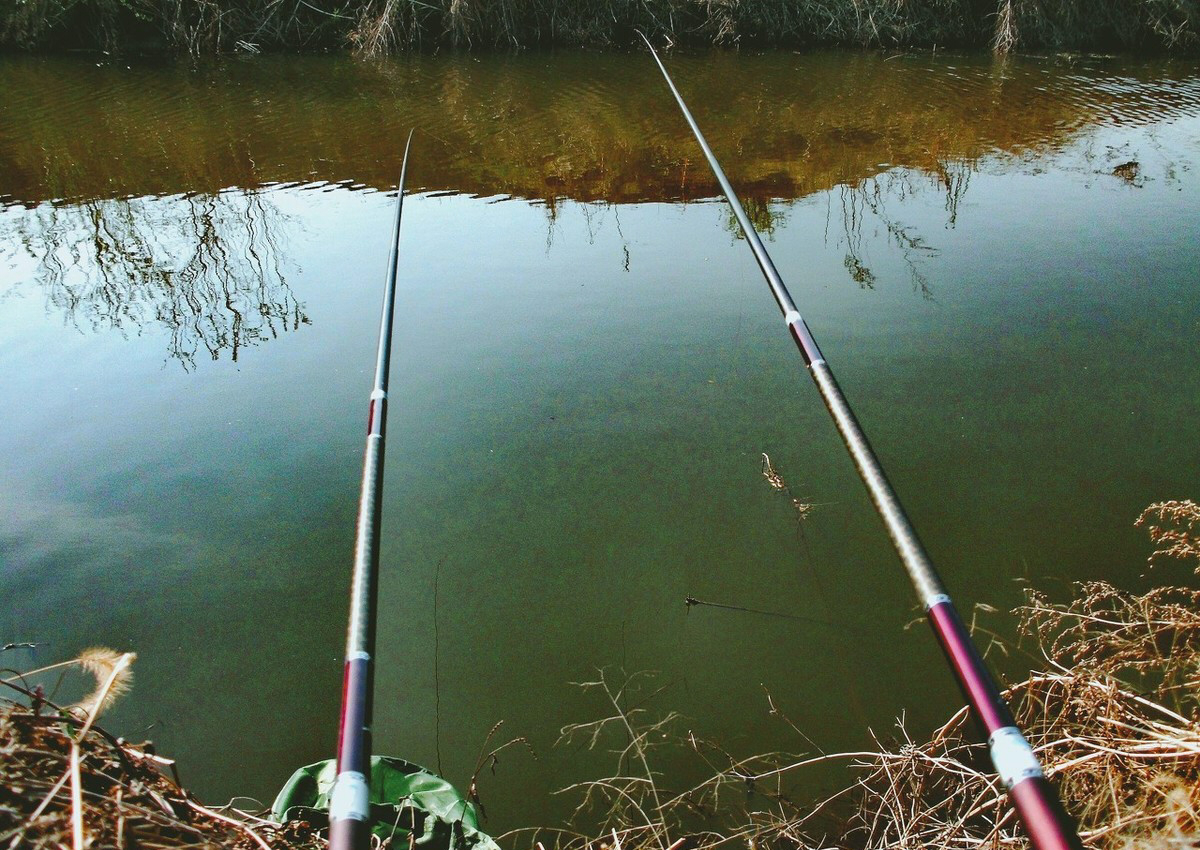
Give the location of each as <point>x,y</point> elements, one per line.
<point>1114,714</point>
<point>374,27</point>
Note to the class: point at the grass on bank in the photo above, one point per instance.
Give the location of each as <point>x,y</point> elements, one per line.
<point>1114,715</point>
<point>375,27</point>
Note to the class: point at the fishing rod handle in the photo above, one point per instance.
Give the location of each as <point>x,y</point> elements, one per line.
<point>349,799</point>
<point>1034,798</point>
<point>347,834</point>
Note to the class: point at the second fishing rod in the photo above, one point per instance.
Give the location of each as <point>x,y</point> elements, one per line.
<point>1032,795</point>
<point>349,799</point>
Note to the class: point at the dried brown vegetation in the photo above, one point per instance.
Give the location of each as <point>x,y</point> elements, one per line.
<point>66,783</point>
<point>1174,527</point>
<point>1062,24</point>
<point>380,26</point>
<point>1114,718</point>
<point>803,508</point>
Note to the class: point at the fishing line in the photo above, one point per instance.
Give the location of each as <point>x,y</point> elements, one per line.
<point>691,602</point>
<point>437,682</point>
<point>809,567</point>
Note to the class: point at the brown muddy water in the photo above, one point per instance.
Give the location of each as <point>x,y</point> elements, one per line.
<point>1000,260</point>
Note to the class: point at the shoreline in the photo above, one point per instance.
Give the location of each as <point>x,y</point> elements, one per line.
<point>1114,719</point>
<point>382,27</point>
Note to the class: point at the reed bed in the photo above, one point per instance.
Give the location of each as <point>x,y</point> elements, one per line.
<point>375,27</point>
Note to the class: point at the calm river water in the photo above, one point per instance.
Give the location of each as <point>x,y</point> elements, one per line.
<point>1000,260</point>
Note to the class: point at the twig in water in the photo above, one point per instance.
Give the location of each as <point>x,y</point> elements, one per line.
<point>803,509</point>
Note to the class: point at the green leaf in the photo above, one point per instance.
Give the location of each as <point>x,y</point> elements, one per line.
<point>405,799</point>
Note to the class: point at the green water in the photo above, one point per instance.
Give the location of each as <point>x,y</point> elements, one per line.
<point>999,261</point>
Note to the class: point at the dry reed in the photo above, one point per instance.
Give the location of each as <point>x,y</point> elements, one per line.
<point>802,508</point>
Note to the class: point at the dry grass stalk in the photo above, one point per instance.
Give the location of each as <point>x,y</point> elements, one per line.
<point>629,805</point>
<point>114,677</point>
<point>374,33</point>
<point>1177,532</point>
<point>113,673</point>
<point>111,670</point>
<point>1005,36</point>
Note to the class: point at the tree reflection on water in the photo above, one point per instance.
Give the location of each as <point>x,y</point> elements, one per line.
<point>867,200</point>
<point>207,269</point>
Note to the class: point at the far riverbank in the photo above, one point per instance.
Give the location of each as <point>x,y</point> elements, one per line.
<point>376,27</point>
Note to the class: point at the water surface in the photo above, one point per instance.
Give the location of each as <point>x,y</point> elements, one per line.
<point>999,260</point>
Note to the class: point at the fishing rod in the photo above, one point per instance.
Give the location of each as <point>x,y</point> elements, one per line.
<point>1032,795</point>
<point>349,800</point>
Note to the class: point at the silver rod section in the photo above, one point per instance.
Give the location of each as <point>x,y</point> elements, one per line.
<point>920,570</point>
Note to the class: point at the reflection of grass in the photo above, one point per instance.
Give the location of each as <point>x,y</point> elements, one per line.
<point>597,127</point>
<point>207,268</point>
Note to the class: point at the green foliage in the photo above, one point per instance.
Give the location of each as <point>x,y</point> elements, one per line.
<point>407,802</point>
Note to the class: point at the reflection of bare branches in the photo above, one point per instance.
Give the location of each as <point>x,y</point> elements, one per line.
<point>595,217</point>
<point>867,196</point>
<point>765,218</point>
<point>859,273</point>
<point>954,176</point>
<point>207,268</point>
